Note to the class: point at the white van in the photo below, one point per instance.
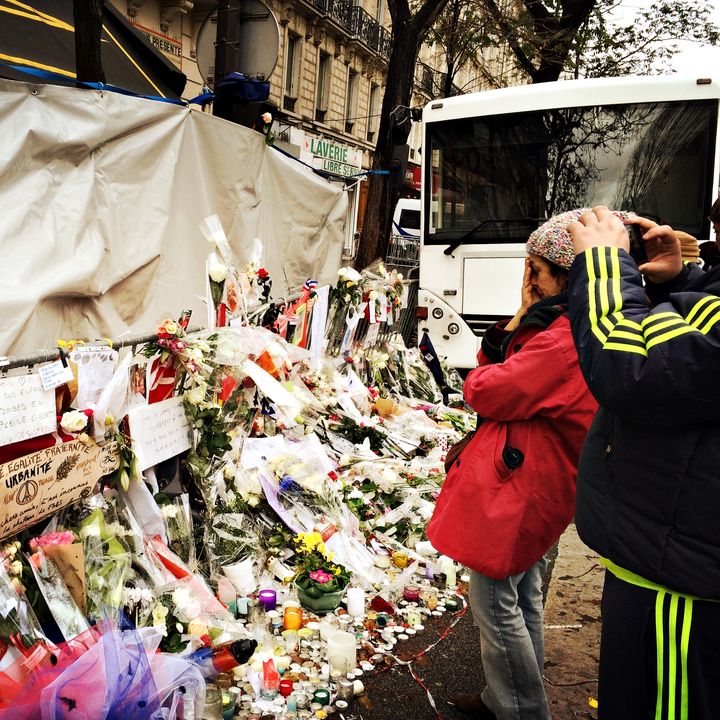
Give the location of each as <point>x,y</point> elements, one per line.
<point>406,218</point>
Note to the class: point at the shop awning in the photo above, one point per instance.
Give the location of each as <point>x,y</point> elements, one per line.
<point>38,36</point>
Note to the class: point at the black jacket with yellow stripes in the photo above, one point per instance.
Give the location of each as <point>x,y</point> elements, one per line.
<point>648,495</point>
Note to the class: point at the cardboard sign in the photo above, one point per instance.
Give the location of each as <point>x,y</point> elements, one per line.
<point>159,431</point>
<point>38,485</point>
<point>26,409</point>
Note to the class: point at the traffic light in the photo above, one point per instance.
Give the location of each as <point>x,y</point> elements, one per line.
<point>399,165</point>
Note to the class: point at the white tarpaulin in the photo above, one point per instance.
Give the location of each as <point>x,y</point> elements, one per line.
<point>101,197</point>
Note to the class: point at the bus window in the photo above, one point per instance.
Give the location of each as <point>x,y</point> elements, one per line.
<point>494,179</point>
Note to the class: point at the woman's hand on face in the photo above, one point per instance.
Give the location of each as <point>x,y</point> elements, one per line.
<point>528,294</point>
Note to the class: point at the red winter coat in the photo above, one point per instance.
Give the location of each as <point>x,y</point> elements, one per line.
<point>500,511</point>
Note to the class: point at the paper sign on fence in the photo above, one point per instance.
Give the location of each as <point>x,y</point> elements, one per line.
<point>35,486</point>
<point>159,431</point>
<point>26,409</point>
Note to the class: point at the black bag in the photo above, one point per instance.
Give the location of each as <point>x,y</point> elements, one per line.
<point>454,451</point>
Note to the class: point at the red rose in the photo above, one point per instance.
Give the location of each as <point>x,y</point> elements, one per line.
<point>262,273</point>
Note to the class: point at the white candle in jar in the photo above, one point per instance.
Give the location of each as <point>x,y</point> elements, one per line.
<point>343,643</point>
<point>355,601</point>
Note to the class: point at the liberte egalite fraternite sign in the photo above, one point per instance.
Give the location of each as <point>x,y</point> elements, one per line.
<point>35,486</point>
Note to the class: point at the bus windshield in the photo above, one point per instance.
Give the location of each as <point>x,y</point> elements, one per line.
<point>495,178</point>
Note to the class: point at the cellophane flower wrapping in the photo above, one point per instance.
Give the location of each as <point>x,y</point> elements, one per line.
<point>68,616</point>
<point>178,522</point>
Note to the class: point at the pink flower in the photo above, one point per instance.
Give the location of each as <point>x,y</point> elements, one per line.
<point>266,118</point>
<point>65,537</point>
<point>320,576</point>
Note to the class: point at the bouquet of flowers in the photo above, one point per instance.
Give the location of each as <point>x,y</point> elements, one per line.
<point>316,573</point>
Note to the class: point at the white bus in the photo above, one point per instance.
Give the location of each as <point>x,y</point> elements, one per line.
<point>497,164</point>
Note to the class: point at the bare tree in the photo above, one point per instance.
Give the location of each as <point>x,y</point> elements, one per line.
<point>408,32</point>
<point>87,16</point>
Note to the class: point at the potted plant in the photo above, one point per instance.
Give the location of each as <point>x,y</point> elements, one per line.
<point>319,582</point>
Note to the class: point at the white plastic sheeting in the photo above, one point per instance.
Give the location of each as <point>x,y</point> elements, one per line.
<point>101,196</point>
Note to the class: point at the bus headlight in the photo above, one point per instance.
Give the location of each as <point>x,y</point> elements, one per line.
<point>453,328</point>
<point>437,313</point>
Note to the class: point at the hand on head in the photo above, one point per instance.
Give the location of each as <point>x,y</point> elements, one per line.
<point>600,228</point>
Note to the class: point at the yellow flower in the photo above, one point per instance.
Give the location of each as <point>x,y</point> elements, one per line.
<point>592,702</point>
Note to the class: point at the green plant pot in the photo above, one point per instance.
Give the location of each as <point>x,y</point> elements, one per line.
<point>327,602</point>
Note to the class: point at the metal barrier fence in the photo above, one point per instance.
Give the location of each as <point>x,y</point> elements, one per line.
<point>402,253</point>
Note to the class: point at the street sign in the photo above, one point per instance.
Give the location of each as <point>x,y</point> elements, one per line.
<point>250,45</point>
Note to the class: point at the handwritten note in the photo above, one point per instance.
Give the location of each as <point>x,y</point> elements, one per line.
<point>35,486</point>
<point>55,374</point>
<point>26,409</point>
<point>95,368</point>
<point>159,431</point>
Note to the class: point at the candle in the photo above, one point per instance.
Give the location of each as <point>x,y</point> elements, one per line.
<point>452,604</point>
<point>267,598</point>
<point>448,567</point>
<point>411,593</point>
<point>382,561</point>
<point>345,690</point>
<point>327,627</point>
<point>292,618</point>
<point>286,687</point>
<point>322,695</point>
<point>314,627</point>
<point>355,601</point>
<point>276,621</point>
<point>343,643</point>
<point>400,559</point>
<point>243,604</point>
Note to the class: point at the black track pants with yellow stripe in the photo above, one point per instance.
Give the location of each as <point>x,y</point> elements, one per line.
<point>659,654</point>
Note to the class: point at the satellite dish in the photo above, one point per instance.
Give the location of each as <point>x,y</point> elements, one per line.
<point>250,46</point>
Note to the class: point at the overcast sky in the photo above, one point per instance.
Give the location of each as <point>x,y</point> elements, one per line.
<point>693,59</point>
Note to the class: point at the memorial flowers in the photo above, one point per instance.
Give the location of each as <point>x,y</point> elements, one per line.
<point>316,573</point>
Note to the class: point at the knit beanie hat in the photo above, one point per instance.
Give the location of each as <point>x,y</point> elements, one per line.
<point>552,241</point>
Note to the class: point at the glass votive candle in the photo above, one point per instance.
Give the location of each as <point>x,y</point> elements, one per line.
<point>302,701</point>
<point>291,640</point>
<point>400,559</point>
<point>452,604</point>
<point>314,627</point>
<point>276,622</point>
<point>292,618</point>
<point>345,689</point>
<point>242,604</point>
<point>429,595</point>
<point>268,599</point>
<point>338,667</point>
<point>286,687</point>
<point>322,696</point>
<point>411,593</point>
<point>413,617</point>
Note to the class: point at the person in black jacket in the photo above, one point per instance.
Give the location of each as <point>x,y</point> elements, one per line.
<point>648,491</point>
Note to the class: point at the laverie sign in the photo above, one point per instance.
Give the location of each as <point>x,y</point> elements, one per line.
<point>332,156</point>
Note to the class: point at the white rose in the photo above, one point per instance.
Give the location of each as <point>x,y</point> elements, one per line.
<point>196,395</point>
<point>217,272</point>
<point>353,275</point>
<point>266,118</point>
<point>73,421</point>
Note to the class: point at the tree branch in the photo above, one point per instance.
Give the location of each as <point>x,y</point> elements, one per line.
<point>507,31</point>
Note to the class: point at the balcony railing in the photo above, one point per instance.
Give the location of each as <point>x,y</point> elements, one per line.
<point>356,22</point>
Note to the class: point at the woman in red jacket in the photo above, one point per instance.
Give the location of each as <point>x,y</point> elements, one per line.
<point>511,493</point>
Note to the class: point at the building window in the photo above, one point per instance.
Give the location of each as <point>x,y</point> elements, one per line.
<point>351,100</point>
<point>373,112</point>
<point>322,89</point>
<point>292,71</point>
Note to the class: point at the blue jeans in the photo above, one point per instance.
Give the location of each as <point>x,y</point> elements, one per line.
<point>509,615</point>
